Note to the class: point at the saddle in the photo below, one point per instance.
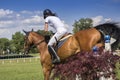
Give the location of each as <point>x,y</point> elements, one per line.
<point>60,42</point>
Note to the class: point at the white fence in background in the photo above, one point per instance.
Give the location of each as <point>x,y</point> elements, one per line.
<point>19,60</point>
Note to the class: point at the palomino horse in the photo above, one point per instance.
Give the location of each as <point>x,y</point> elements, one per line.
<point>81,41</point>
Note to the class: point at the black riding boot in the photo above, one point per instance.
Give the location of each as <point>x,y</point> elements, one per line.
<point>55,57</point>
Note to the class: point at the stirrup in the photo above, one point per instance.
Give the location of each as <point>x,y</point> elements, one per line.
<point>55,57</point>
<point>55,61</point>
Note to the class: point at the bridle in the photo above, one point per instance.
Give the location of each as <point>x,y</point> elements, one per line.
<point>39,42</point>
<point>33,45</point>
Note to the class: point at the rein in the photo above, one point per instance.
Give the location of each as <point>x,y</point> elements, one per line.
<point>39,42</point>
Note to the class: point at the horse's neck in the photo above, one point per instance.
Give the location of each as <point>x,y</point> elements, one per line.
<point>40,43</point>
<point>42,47</point>
<point>36,38</point>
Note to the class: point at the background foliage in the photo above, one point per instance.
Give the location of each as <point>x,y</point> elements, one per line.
<point>82,24</point>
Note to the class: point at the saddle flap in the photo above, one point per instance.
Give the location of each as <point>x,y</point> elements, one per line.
<point>61,41</point>
<point>65,37</point>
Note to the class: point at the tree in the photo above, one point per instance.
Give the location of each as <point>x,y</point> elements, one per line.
<point>4,45</point>
<point>82,24</point>
<point>17,42</point>
<point>42,32</point>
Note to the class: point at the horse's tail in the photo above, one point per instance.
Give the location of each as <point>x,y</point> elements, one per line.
<point>111,29</point>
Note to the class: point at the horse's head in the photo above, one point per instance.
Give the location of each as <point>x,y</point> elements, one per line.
<point>27,41</point>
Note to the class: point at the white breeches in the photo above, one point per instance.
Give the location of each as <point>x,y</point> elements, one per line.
<point>57,36</point>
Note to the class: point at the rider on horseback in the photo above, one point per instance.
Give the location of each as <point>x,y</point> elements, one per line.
<point>52,20</point>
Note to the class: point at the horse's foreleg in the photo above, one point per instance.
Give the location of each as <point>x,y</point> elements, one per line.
<point>47,72</point>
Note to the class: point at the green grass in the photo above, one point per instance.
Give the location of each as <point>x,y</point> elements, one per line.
<point>21,70</point>
<point>117,70</point>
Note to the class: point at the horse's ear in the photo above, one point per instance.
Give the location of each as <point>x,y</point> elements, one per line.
<point>24,31</point>
<point>32,30</point>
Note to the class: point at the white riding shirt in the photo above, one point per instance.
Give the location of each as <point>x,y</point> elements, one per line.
<point>58,25</point>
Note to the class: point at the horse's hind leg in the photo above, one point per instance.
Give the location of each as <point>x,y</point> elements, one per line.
<point>99,45</point>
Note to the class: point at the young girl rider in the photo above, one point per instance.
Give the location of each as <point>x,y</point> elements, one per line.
<point>54,21</point>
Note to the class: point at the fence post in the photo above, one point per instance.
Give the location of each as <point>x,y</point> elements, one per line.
<point>3,62</point>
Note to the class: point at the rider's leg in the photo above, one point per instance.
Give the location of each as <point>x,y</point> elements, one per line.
<point>55,57</point>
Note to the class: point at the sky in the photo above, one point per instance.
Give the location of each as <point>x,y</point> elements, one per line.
<point>16,15</point>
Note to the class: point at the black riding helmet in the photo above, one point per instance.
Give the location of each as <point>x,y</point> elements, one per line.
<point>47,12</point>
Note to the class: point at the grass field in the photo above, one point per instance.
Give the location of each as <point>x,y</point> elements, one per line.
<point>26,69</point>
<point>21,69</point>
<point>117,70</point>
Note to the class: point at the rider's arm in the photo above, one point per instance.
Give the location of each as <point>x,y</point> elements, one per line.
<point>46,26</point>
